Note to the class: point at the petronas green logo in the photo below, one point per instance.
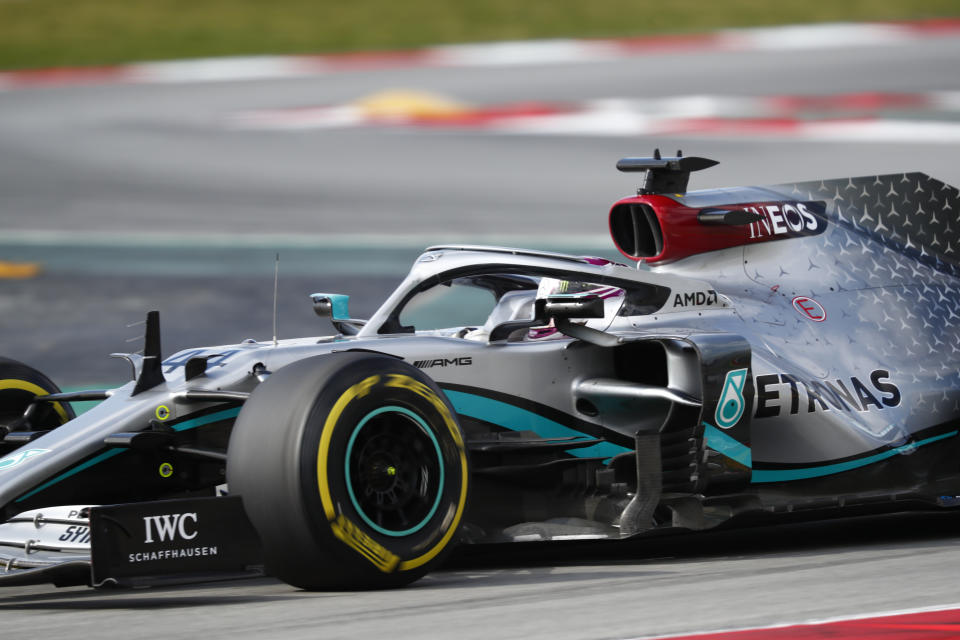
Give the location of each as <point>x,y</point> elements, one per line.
<point>731,405</point>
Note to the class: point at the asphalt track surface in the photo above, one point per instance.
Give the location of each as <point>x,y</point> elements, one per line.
<point>134,197</point>
<point>701,582</point>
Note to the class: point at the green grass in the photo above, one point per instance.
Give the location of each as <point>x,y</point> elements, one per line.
<point>42,33</point>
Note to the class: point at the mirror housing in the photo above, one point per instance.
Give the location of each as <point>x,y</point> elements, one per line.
<point>336,307</point>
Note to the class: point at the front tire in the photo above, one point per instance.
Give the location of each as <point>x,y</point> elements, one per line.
<point>19,385</point>
<point>353,470</point>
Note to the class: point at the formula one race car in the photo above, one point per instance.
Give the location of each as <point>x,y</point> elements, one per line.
<point>778,349</point>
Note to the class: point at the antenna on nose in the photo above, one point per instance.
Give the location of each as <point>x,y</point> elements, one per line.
<point>276,282</point>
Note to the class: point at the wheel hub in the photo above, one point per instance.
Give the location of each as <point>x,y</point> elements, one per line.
<point>394,471</point>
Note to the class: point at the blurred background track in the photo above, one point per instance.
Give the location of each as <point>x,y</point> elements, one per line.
<point>123,198</point>
<point>117,198</point>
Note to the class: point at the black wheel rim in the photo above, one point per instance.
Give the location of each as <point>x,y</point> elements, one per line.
<point>394,471</point>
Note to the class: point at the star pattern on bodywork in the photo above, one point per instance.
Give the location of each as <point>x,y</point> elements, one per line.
<point>893,276</point>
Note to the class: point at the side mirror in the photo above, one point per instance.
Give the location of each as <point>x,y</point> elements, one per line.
<point>336,306</point>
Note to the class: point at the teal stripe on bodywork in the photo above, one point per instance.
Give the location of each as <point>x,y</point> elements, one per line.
<point>186,425</point>
<point>106,455</point>
<point>516,419</point>
<point>730,447</point>
<point>226,414</point>
<point>724,444</point>
<point>781,475</point>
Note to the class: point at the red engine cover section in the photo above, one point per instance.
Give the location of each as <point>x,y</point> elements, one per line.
<point>658,229</point>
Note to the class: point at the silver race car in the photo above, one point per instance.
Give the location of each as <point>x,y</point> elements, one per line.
<point>775,349</point>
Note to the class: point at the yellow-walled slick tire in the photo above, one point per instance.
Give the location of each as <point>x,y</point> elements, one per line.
<point>19,384</point>
<point>353,470</point>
